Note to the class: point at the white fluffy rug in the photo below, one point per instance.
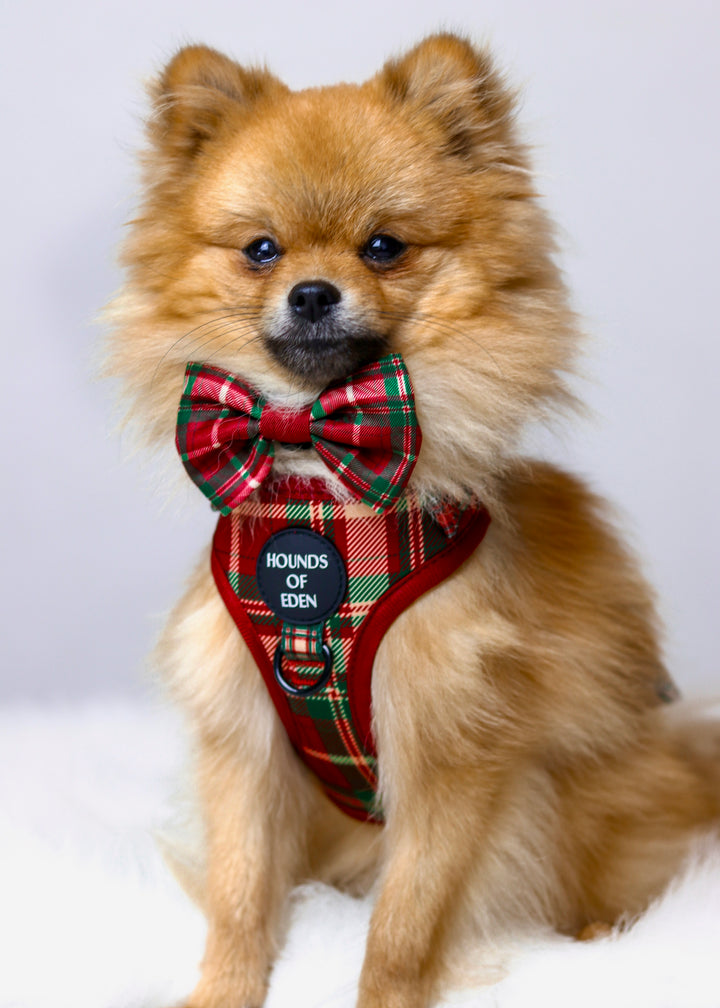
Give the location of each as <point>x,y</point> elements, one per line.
<point>90,917</point>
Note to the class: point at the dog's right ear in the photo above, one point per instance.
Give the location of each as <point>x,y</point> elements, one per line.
<point>199,90</point>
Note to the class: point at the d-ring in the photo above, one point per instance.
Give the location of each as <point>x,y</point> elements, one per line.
<point>314,687</point>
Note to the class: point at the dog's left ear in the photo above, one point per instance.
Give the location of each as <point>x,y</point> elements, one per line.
<point>448,80</point>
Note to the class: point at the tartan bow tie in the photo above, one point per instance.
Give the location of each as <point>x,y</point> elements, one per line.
<point>364,429</point>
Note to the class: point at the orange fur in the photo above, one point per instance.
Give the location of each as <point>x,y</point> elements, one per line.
<point>527,772</point>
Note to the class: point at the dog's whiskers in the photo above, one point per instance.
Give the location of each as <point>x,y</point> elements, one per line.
<point>442,328</point>
<point>195,339</point>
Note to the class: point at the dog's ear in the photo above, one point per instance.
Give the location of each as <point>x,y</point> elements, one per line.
<point>447,79</point>
<point>198,91</point>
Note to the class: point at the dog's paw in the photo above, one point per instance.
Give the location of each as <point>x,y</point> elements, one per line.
<point>598,929</point>
<point>220,1000</point>
<point>225,991</point>
<point>392,991</point>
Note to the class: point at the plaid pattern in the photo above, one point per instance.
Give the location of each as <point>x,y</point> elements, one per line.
<point>218,417</point>
<point>379,552</point>
<point>304,643</point>
<point>364,428</point>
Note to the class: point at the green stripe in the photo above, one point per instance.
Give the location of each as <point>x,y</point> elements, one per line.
<point>367,587</point>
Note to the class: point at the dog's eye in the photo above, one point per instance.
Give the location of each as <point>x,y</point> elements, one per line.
<point>383,248</point>
<point>262,251</point>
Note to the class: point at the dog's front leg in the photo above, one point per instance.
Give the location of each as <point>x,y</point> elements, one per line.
<point>443,768</point>
<point>252,859</point>
<point>429,857</point>
<point>252,795</point>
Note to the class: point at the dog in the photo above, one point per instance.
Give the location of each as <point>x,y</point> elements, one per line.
<point>512,759</point>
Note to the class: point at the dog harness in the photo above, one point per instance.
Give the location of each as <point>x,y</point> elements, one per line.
<point>313,584</point>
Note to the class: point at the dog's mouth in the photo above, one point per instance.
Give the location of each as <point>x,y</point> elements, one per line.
<point>323,351</point>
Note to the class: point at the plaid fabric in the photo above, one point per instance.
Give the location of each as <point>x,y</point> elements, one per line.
<point>303,643</point>
<point>381,552</point>
<point>363,428</point>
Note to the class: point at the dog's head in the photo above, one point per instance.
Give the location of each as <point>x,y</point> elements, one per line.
<point>292,237</point>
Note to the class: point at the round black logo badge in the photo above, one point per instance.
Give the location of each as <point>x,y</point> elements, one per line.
<point>301,576</point>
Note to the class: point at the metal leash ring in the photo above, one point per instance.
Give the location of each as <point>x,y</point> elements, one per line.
<point>314,687</point>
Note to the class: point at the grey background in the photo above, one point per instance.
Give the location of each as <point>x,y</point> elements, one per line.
<point>620,100</point>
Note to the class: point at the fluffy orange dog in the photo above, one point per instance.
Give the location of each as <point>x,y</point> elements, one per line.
<point>528,771</point>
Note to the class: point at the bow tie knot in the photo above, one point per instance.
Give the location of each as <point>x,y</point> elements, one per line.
<point>287,426</point>
<point>363,428</point>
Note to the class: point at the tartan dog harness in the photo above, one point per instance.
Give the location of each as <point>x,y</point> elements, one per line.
<point>311,582</point>
<point>291,552</point>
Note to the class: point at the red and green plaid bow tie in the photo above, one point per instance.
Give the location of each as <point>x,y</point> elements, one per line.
<point>364,429</point>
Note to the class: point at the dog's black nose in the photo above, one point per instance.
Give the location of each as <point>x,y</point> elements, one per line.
<point>312,299</point>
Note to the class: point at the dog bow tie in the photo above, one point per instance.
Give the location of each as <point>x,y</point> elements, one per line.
<point>364,429</point>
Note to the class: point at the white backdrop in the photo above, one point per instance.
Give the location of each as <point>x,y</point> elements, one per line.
<point>621,104</point>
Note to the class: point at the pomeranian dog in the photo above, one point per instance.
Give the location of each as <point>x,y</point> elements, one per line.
<point>343,306</point>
